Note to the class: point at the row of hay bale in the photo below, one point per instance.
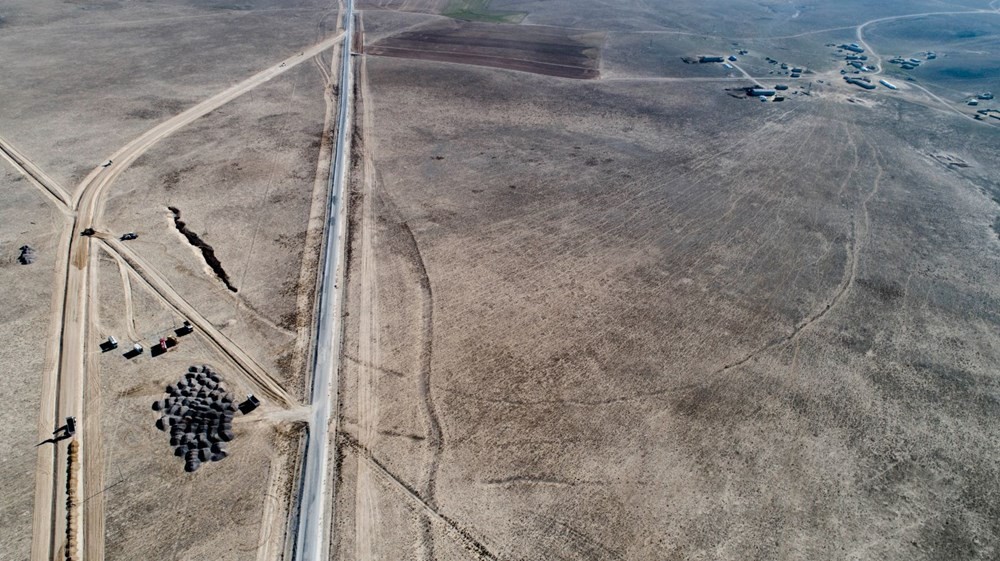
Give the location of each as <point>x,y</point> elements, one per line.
<point>198,413</point>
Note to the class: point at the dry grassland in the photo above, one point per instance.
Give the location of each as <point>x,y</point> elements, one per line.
<point>637,321</point>
<point>242,179</point>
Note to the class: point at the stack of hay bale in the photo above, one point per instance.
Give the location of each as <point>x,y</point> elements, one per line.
<point>198,413</point>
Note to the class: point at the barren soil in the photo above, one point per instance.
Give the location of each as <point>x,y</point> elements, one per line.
<point>154,509</point>
<point>646,321</point>
<point>542,50</point>
<point>26,217</point>
<point>81,79</point>
<point>242,178</point>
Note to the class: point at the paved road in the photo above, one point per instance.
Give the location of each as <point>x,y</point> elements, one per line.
<point>312,535</point>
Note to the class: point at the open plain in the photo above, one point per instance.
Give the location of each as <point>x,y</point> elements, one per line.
<point>639,318</point>
<point>595,300</point>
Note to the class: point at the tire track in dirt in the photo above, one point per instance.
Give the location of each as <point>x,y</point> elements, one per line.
<point>373,193</point>
<point>860,234</point>
<point>255,374</point>
<point>369,347</point>
<point>64,384</point>
<point>434,441</point>
<point>91,434</point>
<point>464,536</point>
<point>123,270</point>
<point>48,186</point>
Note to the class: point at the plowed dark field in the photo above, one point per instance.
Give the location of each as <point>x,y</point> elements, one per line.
<point>551,51</point>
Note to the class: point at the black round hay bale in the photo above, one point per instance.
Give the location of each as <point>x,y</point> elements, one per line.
<point>157,405</point>
<point>192,465</point>
<point>215,377</point>
<point>219,456</point>
<point>226,435</point>
<point>218,447</point>
<point>204,454</point>
<point>181,450</point>
<point>161,423</point>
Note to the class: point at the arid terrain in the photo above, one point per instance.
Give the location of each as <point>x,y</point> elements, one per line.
<point>644,317</point>
<point>642,280</point>
<point>231,133</point>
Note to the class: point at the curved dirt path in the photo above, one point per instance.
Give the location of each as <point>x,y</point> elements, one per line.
<point>123,270</point>
<point>859,32</point>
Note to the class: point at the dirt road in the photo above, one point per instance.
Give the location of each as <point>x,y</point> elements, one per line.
<point>64,385</point>
<point>36,176</point>
<point>366,516</point>
<point>316,484</point>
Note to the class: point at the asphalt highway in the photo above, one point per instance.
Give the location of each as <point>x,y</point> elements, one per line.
<point>312,535</point>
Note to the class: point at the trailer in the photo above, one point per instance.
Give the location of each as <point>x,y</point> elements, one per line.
<point>250,404</point>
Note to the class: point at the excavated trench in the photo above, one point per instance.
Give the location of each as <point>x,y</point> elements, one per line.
<point>206,250</point>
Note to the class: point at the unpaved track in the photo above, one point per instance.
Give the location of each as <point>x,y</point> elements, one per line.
<point>366,518</point>
<point>259,377</point>
<point>123,270</point>
<point>63,386</point>
<point>859,32</point>
<point>36,176</point>
<point>462,535</point>
<point>92,455</point>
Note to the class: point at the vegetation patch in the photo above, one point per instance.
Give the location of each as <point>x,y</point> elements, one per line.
<point>479,10</point>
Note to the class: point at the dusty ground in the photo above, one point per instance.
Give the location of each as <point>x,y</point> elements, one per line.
<point>26,217</point>
<point>551,51</point>
<point>635,317</point>
<point>147,492</point>
<point>647,320</point>
<point>84,79</point>
<point>242,178</point>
